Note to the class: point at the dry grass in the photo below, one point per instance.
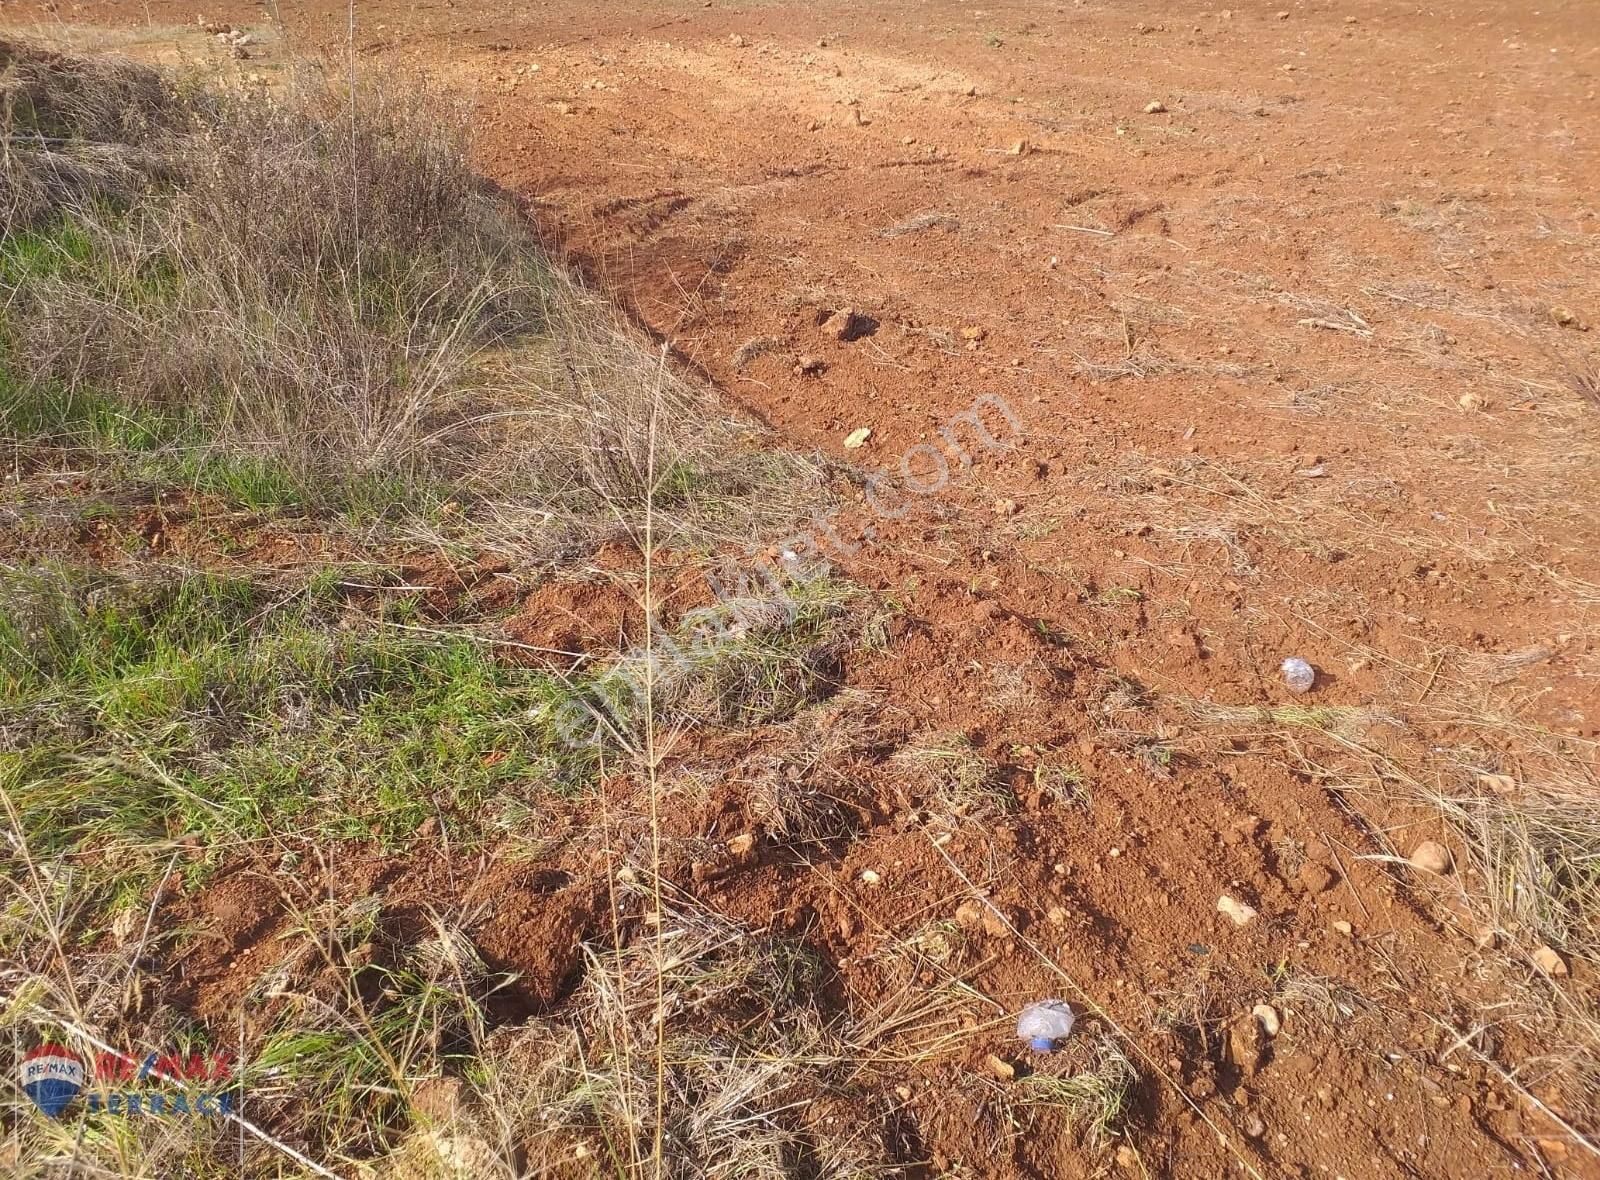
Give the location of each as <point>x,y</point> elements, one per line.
<point>803,792</point>
<point>76,131</point>
<point>1322,1000</point>
<point>1538,852</point>
<point>321,306</point>
<point>310,291</point>
<point>1093,1099</point>
<point>952,782</point>
<point>747,1051</point>
<point>1527,881</point>
<point>1342,720</point>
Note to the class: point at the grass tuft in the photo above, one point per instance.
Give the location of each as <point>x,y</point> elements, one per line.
<point>1093,1099</point>
<point>953,781</point>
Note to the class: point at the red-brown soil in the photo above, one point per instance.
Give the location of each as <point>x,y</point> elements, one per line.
<point>1291,381</point>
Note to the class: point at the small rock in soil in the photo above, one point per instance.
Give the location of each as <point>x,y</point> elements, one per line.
<point>969,914</point>
<point>1254,1128</point>
<point>1268,1016</point>
<point>1549,960</point>
<point>809,366</point>
<point>1344,928</point>
<point>1500,784</point>
<point>985,610</point>
<point>1001,1068</point>
<point>1155,108</point>
<point>1127,1158</point>
<point>846,325</point>
<point>1247,1045</point>
<point>124,924</point>
<point>1315,878</point>
<point>1430,857</point>
<point>995,924</point>
<point>857,438</point>
<point>440,1099</point>
<point>1241,914</point>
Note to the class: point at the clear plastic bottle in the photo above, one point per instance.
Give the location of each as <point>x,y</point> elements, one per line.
<point>1298,675</point>
<point>1043,1023</point>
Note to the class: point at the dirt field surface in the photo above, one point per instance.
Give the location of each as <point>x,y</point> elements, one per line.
<point>1297,315</point>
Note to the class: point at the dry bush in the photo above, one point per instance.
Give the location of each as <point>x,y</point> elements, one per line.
<point>806,791</point>
<point>311,290</point>
<point>591,427</point>
<point>74,130</point>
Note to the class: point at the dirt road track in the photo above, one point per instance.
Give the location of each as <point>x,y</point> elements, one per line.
<point>1301,365</point>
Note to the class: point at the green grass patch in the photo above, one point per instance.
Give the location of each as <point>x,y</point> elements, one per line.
<point>164,448</point>
<point>135,715</point>
<point>68,416</point>
<point>359,1059</point>
<point>49,251</point>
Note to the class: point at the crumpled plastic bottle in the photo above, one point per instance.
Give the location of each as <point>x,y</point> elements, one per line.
<point>1043,1023</point>
<point>1298,675</point>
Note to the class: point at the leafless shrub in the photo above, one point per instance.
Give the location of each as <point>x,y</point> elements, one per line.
<point>74,130</point>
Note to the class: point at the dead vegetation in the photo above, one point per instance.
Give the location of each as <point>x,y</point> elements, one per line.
<point>1089,1087</point>
<point>76,131</point>
<point>952,782</point>
<point>319,306</point>
<point>747,1051</point>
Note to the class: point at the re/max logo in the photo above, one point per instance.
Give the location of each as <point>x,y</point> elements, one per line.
<point>160,1103</point>
<point>202,1076</point>
<point>214,1068</point>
